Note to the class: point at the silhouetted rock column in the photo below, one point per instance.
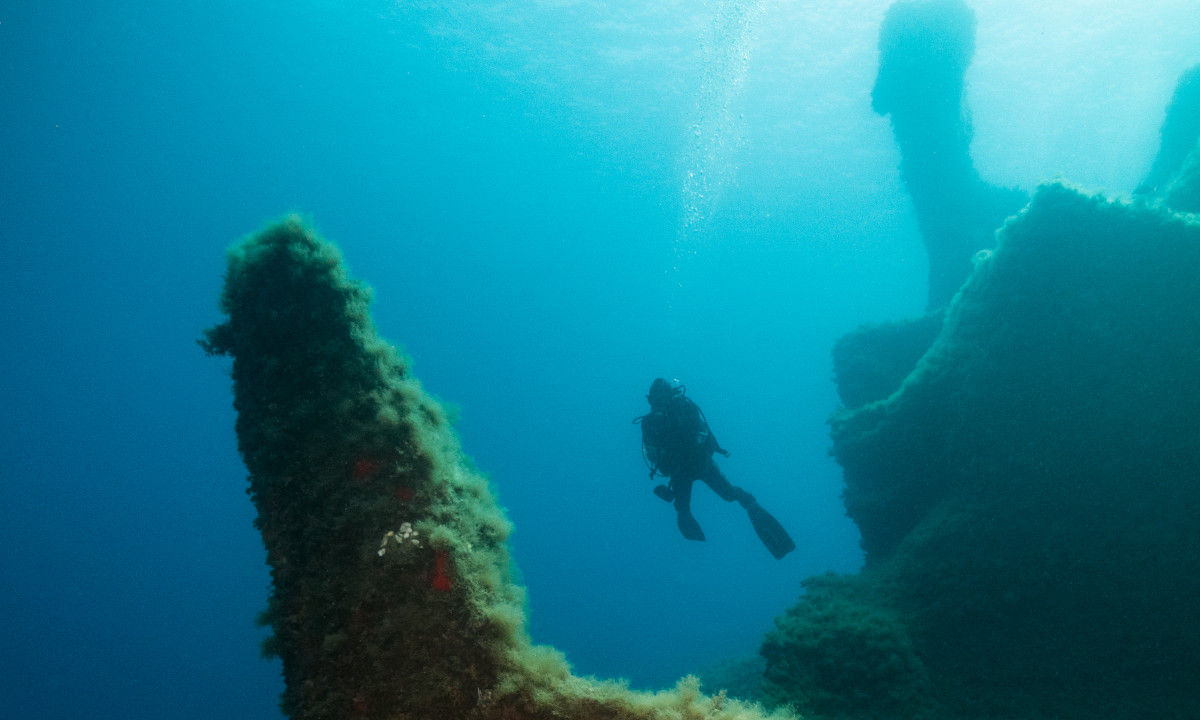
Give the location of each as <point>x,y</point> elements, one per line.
<point>925,47</point>
<point>1180,131</point>
<point>1175,175</point>
<point>391,594</point>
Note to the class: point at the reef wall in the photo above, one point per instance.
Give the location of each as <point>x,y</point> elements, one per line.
<point>1027,495</point>
<point>391,589</point>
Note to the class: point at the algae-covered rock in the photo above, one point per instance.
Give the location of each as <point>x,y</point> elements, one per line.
<point>839,655</point>
<point>1028,497</point>
<point>870,363</point>
<point>392,596</point>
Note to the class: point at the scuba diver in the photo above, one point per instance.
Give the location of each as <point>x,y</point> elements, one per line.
<point>678,444</point>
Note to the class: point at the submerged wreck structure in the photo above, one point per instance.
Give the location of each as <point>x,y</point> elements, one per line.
<point>1025,474</point>
<point>391,597</point>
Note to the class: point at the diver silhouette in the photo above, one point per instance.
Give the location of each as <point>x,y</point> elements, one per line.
<point>677,443</point>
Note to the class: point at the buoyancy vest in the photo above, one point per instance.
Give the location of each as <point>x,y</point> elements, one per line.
<point>676,436</point>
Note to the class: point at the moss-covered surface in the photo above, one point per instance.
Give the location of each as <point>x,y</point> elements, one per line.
<point>391,595</point>
<point>1028,497</point>
<point>870,363</point>
<point>838,654</point>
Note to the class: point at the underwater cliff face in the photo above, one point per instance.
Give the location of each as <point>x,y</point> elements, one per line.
<point>369,517</point>
<point>1027,495</point>
<point>1021,466</point>
<point>391,589</point>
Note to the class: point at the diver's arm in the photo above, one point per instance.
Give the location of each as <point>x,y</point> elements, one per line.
<point>709,441</point>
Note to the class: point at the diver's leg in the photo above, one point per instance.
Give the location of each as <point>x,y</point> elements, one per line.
<point>768,529</point>
<point>683,494</point>
<point>683,506</point>
<point>727,491</point>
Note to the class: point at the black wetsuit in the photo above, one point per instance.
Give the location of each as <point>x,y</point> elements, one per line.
<point>679,444</point>
<point>712,476</point>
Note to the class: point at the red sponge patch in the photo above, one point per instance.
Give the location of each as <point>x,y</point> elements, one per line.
<point>365,468</point>
<point>441,581</point>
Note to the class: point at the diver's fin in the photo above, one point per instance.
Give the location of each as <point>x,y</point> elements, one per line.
<point>772,534</point>
<point>689,527</point>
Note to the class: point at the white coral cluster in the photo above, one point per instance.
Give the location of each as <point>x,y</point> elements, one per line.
<point>406,534</point>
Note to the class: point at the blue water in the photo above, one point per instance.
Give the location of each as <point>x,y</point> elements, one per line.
<point>555,202</point>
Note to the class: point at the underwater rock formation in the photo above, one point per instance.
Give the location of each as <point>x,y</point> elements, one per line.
<point>925,47</point>
<point>1183,194</point>
<point>1028,495</point>
<point>1179,139</point>
<point>841,654</point>
<point>391,592</point>
<point>870,362</point>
